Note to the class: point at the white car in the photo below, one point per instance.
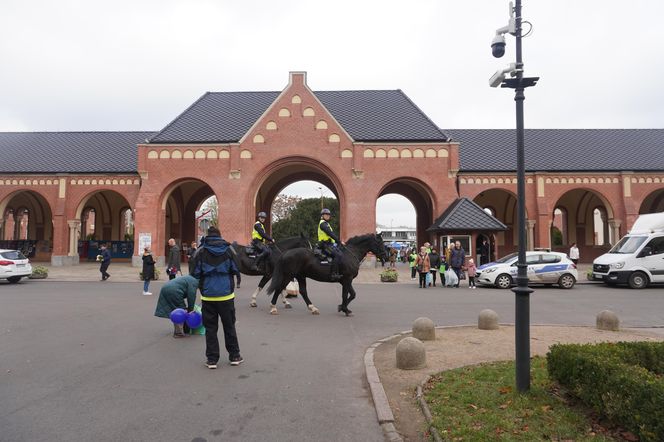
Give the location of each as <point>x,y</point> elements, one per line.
<point>543,268</point>
<point>13,265</point>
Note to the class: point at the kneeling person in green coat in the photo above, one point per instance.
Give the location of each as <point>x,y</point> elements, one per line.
<point>172,295</point>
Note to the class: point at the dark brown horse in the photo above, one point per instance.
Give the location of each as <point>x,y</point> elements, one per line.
<point>245,262</point>
<point>303,263</point>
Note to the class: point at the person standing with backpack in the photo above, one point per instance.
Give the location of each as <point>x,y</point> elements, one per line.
<point>215,269</point>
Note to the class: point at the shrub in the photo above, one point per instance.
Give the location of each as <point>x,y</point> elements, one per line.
<point>389,275</point>
<point>621,381</point>
<point>39,272</point>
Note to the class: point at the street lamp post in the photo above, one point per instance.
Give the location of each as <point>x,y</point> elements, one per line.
<point>522,291</point>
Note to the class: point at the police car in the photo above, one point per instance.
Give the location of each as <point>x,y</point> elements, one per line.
<point>544,267</point>
<point>14,266</point>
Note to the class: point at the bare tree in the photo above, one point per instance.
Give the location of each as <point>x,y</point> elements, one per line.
<point>283,205</point>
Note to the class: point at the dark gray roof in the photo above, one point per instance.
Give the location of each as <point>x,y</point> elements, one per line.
<point>380,116</point>
<point>223,117</point>
<point>561,149</point>
<point>53,152</point>
<point>464,214</point>
<point>217,117</point>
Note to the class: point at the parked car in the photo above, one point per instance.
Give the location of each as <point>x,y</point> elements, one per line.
<point>543,268</point>
<point>638,258</point>
<point>14,265</point>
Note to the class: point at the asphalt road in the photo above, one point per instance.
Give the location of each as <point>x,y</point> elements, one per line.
<point>89,361</point>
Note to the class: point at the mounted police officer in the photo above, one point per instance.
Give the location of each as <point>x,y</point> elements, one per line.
<point>327,241</point>
<point>259,239</point>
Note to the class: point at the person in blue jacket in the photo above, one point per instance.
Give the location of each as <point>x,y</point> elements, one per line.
<point>215,268</point>
<point>105,262</point>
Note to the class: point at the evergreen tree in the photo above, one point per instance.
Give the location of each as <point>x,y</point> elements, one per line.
<point>305,217</point>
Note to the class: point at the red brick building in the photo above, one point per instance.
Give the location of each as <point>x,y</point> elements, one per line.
<point>583,186</point>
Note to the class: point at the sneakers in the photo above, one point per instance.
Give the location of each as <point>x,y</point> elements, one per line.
<point>146,293</point>
<point>237,360</point>
<point>211,365</point>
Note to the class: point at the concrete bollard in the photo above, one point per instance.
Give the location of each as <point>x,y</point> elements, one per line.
<point>411,354</point>
<point>424,329</point>
<point>607,320</point>
<point>487,320</point>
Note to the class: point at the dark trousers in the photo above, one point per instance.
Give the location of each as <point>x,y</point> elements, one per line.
<point>423,279</point>
<point>433,276</point>
<point>412,272</point>
<point>103,267</point>
<point>212,311</point>
<point>171,276</point>
<point>471,281</point>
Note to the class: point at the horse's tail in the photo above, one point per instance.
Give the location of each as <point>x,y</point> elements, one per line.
<point>277,277</point>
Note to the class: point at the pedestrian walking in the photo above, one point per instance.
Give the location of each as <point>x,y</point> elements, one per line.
<point>434,261</point>
<point>173,263</point>
<point>574,254</point>
<point>471,268</point>
<point>412,259</point>
<point>148,270</point>
<point>215,268</point>
<point>173,295</point>
<point>423,266</point>
<point>105,262</point>
<point>190,256</point>
<point>457,260</point>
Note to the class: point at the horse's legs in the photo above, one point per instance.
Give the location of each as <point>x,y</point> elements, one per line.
<point>346,288</point>
<point>259,289</point>
<point>302,282</point>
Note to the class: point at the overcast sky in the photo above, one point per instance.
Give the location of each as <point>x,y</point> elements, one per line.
<point>74,65</point>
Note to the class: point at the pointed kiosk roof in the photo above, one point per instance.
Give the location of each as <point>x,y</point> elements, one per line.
<point>464,214</point>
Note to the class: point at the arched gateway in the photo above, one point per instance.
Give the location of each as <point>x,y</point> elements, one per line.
<point>63,193</point>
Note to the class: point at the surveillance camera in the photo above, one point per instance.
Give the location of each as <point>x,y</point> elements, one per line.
<point>498,46</point>
<point>497,78</point>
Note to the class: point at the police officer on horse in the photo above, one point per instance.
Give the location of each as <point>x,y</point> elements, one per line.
<point>327,241</point>
<point>259,239</point>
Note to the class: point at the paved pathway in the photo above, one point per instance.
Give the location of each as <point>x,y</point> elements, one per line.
<point>87,360</point>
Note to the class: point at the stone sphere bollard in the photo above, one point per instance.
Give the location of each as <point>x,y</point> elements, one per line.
<point>411,354</point>
<point>488,320</point>
<point>424,329</point>
<point>607,320</point>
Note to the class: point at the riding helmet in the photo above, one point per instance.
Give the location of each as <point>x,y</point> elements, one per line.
<point>261,215</point>
<point>325,212</point>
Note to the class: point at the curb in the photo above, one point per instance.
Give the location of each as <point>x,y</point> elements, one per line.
<point>381,403</point>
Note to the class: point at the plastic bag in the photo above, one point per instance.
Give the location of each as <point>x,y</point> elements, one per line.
<point>451,278</point>
<point>429,278</point>
<point>293,288</point>
<point>198,330</point>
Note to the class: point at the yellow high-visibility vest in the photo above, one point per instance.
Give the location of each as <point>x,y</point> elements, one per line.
<point>255,234</point>
<point>322,236</point>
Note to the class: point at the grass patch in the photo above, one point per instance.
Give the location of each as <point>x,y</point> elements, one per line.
<point>479,403</point>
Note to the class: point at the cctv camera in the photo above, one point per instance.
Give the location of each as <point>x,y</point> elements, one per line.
<point>498,46</point>
<point>497,78</point>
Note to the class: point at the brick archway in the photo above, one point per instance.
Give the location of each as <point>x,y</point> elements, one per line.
<point>420,195</point>
<point>39,227</point>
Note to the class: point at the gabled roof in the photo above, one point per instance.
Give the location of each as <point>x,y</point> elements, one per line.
<point>375,115</point>
<point>464,214</point>
<point>74,152</point>
<point>492,150</point>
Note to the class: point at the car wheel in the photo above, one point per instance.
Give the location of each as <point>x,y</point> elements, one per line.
<point>638,280</point>
<point>504,281</point>
<point>566,281</point>
<point>14,279</point>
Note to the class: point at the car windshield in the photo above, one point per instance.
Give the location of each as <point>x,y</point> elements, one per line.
<point>629,244</point>
<point>506,258</point>
<point>12,254</point>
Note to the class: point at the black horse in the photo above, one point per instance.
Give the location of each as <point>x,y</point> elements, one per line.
<point>245,263</point>
<point>303,263</point>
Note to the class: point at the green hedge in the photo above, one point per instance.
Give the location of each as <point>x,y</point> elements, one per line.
<point>622,381</point>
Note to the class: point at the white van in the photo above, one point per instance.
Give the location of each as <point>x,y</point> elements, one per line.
<point>638,258</point>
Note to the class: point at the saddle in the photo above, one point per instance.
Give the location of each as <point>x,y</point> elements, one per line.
<point>321,256</point>
<point>250,251</point>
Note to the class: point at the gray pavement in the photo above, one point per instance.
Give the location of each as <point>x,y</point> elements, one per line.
<point>87,360</point>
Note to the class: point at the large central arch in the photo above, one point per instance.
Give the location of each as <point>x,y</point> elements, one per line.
<point>278,175</point>
<point>421,197</point>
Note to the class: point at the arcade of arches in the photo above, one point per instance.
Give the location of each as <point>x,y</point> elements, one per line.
<point>295,139</point>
